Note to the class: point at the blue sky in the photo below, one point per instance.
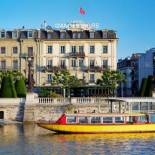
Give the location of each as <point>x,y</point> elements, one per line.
<point>134,20</point>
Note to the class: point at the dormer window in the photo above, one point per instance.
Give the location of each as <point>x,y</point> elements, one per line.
<point>29,34</point>
<point>79,35</point>
<point>91,34</point>
<point>2,34</point>
<point>49,36</point>
<point>62,35</point>
<point>74,35</point>
<point>14,34</point>
<point>104,34</point>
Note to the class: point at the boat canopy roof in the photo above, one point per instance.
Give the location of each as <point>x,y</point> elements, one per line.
<point>106,114</point>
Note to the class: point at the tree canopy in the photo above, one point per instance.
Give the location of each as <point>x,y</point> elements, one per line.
<point>110,80</point>
<point>7,83</point>
<point>7,87</point>
<point>64,80</point>
<point>20,87</point>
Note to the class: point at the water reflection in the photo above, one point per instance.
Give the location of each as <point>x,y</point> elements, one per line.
<point>30,139</point>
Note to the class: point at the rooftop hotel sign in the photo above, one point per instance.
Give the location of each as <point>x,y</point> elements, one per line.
<point>77,25</point>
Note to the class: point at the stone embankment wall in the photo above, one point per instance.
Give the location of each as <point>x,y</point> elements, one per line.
<point>33,108</point>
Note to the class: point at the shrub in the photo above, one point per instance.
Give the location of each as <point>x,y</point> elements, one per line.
<point>7,87</point>
<point>20,88</point>
<point>55,95</point>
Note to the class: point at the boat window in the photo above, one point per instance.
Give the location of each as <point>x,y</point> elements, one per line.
<point>119,119</point>
<point>107,119</point>
<point>83,120</point>
<point>96,120</point>
<point>152,118</point>
<point>71,119</point>
<point>142,119</point>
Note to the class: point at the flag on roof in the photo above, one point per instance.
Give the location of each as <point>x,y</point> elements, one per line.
<point>82,11</point>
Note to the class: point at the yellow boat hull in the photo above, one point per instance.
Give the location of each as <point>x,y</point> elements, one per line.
<point>81,128</point>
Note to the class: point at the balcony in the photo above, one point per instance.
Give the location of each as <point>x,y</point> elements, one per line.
<point>81,54</point>
<point>74,55</point>
<point>94,68</point>
<point>9,68</point>
<point>23,55</point>
<point>77,54</point>
<point>49,68</point>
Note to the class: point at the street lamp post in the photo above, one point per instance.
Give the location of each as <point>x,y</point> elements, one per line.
<point>29,75</point>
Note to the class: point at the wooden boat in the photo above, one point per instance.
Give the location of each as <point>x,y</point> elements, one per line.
<point>101,123</point>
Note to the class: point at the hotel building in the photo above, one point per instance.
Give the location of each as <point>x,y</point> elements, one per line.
<point>82,50</point>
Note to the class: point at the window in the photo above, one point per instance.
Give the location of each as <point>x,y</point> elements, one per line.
<point>71,119</point>
<point>74,35</point>
<point>92,78</point>
<point>73,62</point>
<point>63,49</point>
<point>50,49</point>
<point>15,64</point>
<point>83,120</point>
<point>14,34</point>
<point>79,35</point>
<point>104,34</point>
<point>3,50</point>
<point>2,34</point>
<point>49,77</point>
<point>107,119</point>
<point>63,63</point>
<point>62,35</point>
<point>91,34</point>
<point>81,63</point>
<point>73,49</point>
<point>92,49</point>
<point>30,51</point>
<point>49,63</point>
<point>30,34</point>
<point>92,63</point>
<point>119,119</point>
<point>15,50</point>
<point>105,49</point>
<point>96,120</point>
<point>105,64</point>
<point>81,49</point>
<point>49,36</point>
<point>3,64</point>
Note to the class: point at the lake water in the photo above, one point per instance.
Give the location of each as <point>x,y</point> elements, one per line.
<point>32,140</point>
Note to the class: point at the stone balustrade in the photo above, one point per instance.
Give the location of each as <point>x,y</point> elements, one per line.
<point>74,100</point>
<point>47,100</point>
<point>88,100</point>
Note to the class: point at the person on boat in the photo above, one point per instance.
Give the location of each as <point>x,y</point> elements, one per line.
<point>147,118</point>
<point>135,119</point>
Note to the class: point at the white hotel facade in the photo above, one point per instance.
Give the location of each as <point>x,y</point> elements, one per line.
<point>83,51</point>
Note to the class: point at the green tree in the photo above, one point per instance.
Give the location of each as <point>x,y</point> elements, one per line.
<point>64,80</point>
<point>110,81</point>
<point>20,87</point>
<point>7,87</point>
<point>14,74</point>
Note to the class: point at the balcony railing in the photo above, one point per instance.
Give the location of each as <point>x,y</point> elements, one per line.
<point>77,54</point>
<point>94,68</point>
<point>26,55</point>
<point>23,55</point>
<point>8,68</point>
<point>49,68</point>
